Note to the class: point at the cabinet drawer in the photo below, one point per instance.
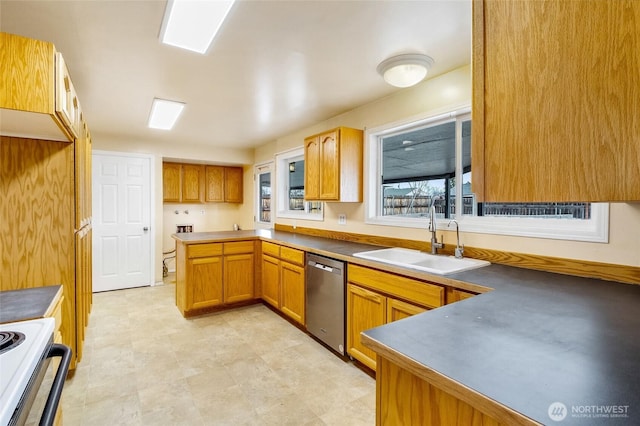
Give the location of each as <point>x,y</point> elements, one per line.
<point>204,250</point>
<point>270,248</point>
<point>415,291</point>
<point>238,247</point>
<point>292,255</point>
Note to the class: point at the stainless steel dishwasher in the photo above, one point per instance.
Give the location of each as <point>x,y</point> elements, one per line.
<point>325,301</point>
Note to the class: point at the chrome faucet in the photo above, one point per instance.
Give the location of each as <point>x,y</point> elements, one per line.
<point>459,247</point>
<point>435,245</point>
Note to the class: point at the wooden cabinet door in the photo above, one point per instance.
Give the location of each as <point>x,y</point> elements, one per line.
<point>233,187</point>
<point>456,295</point>
<point>271,280</point>
<point>171,182</point>
<point>27,73</point>
<point>329,166</point>
<point>81,183</point>
<point>192,183</point>
<point>293,291</point>
<point>397,309</point>
<point>549,125</point>
<point>238,277</point>
<point>205,277</point>
<point>312,168</point>
<point>214,184</point>
<point>365,309</point>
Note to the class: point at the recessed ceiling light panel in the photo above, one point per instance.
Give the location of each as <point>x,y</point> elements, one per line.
<point>164,114</point>
<point>192,24</point>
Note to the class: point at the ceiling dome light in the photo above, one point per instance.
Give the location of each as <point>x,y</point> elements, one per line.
<point>405,70</point>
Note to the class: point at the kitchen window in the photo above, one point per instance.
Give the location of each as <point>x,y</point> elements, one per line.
<point>427,162</point>
<point>290,197</point>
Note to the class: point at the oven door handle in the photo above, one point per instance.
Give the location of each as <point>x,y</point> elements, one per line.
<point>49,414</point>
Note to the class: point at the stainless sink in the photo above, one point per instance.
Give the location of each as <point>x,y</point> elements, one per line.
<point>415,259</point>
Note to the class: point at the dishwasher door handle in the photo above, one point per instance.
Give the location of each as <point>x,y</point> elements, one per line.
<point>323,267</point>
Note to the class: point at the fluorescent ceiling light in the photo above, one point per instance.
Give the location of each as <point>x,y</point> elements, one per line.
<point>192,24</point>
<point>164,113</point>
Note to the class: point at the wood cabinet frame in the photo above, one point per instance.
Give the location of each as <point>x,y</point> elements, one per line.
<point>552,127</point>
<point>283,280</point>
<point>199,183</point>
<point>334,166</point>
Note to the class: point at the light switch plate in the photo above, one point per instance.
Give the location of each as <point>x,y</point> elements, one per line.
<point>342,219</point>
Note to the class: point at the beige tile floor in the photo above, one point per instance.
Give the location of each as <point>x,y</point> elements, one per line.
<point>146,365</point>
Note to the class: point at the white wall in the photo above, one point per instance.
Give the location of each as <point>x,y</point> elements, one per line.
<point>439,94</point>
<point>217,216</point>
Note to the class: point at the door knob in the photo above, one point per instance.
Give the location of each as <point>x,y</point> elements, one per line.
<point>146,228</point>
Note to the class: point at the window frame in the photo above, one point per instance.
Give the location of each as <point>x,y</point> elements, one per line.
<point>261,168</point>
<point>595,229</point>
<point>282,188</point>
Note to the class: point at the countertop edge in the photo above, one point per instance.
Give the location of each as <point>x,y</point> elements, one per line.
<point>54,303</point>
<point>261,235</point>
<point>498,411</point>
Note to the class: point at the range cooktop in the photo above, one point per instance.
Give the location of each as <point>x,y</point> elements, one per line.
<point>25,345</point>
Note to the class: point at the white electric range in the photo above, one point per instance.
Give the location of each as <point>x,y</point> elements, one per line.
<point>24,352</point>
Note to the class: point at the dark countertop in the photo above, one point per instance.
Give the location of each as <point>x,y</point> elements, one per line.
<point>533,339</point>
<point>28,303</point>
<point>337,249</point>
<point>539,338</point>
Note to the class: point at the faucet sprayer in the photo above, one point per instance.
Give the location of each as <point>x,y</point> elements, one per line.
<point>459,247</point>
<point>435,245</point>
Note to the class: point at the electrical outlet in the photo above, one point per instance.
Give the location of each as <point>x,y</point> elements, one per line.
<point>201,211</point>
<point>342,219</point>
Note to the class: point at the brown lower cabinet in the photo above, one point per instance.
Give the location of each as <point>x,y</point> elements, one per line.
<point>292,282</point>
<point>271,280</point>
<point>375,298</point>
<point>238,271</point>
<point>283,280</point>
<point>213,274</point>
<point>365,309</point>
<point>457,295</point>
<point>397,309</point>
<point>406,399</point>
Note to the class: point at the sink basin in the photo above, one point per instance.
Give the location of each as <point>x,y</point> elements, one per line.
<point>415,259</point>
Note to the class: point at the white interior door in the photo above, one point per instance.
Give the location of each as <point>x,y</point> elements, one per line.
<point>121,221</point>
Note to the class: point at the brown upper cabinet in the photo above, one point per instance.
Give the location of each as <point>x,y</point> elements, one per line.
<point>171,182</point>
<point>33,67</point>
<point>48,183</point>
<point>223,184</point>
<point>556,95</point>
<point>198,183</point>
<point>192,183</point>
<point>233,186</point>
<point>333,166</point>
<point>183,183</point>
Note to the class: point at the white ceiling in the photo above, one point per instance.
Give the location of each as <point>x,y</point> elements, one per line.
<point>275,67</point>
